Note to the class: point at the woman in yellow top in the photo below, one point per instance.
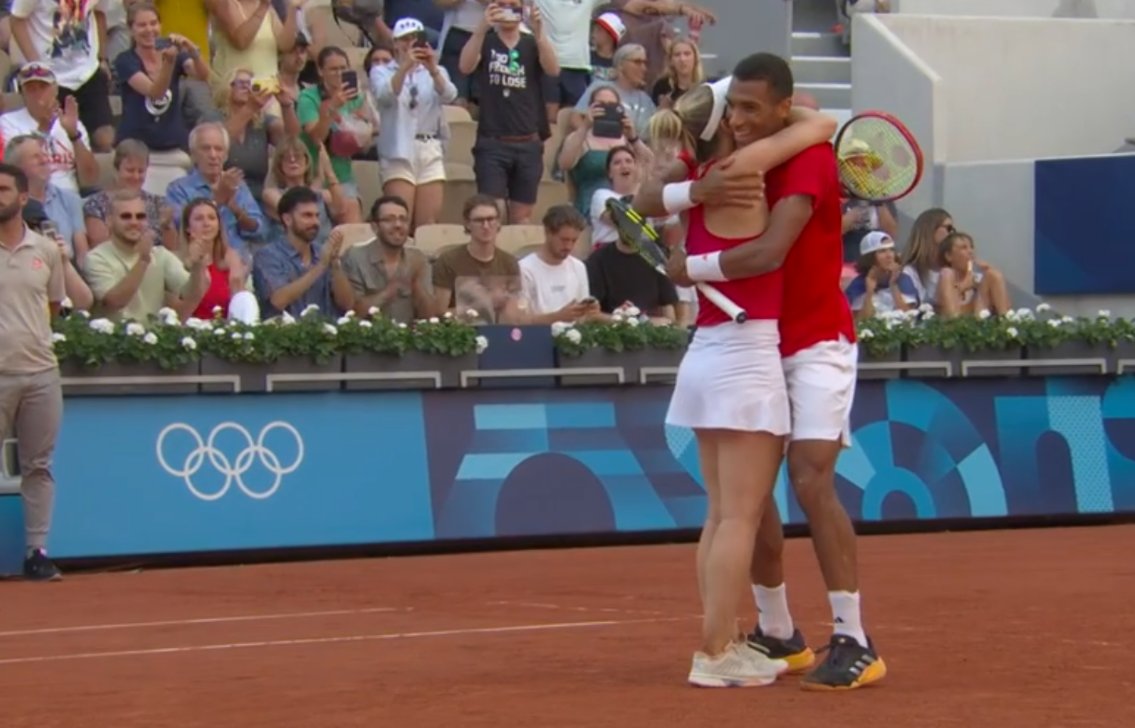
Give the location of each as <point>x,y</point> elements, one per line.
<point>188,19</point>
<point>249,34</point>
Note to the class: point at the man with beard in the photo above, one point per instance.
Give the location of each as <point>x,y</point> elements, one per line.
<point>31,397</point>
<point>385,274</point>
<point>131,277</point>
<point>296,271</point>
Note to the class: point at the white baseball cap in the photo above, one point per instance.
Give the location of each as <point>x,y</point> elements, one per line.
<point>614,26</point>
<point>875,241</point>
<point>407,26</point>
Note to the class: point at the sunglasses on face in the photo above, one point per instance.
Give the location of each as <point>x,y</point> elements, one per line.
<point>132,216</point>
<point>242,83</point>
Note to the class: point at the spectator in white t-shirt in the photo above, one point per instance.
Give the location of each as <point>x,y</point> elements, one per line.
<point>555,281</point>
<point>73,165</point>
<point>65,35</point>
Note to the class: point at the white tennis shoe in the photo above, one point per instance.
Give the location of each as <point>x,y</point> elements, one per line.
<point>739,666</point>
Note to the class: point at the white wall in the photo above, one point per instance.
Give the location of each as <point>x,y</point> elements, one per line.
<point>1020,8</point>
<point>1008,88</point>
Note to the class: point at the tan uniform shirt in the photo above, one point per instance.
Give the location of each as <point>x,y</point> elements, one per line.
<point>31,279</point>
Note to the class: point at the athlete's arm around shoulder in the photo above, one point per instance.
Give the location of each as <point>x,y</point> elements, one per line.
<point>649,201</point>
<point>806,128</point>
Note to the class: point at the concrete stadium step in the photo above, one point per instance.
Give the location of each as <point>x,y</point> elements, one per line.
<point>818,44</point>
<point>828,95</point>
<point>821,69</point>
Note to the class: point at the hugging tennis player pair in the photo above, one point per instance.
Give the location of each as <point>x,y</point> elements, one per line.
<point>781,382</point>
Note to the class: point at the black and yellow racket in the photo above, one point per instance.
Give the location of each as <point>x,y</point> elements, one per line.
<point>638,234</point>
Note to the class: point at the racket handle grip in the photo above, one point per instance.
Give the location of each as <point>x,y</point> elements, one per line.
<point>717,298</point>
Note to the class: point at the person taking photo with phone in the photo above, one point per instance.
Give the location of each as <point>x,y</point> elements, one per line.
<point>410,91</point>
<point>584,153</point>
<point>338,115</point>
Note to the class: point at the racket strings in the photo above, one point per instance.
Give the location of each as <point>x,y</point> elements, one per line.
<point>876,160</point>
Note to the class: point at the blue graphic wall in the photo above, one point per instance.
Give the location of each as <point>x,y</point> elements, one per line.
<point>1099,190</point>
<point>181,474</point>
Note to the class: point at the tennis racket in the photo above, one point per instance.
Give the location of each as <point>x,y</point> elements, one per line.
<point>641,236</point>
<point>879,160</point>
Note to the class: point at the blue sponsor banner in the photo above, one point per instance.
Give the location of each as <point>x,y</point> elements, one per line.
<point>181,474</point>
<point>1084,226</point>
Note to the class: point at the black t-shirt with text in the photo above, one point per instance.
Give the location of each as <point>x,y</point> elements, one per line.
<point>509,89</point>
<point>616,277</point>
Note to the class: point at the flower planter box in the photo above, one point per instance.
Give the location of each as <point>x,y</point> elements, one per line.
<point>931,355</point>
<point>1011,354</point>
<point>661,366</point>
<point>412,370</point>
<point>254,377</point>
<point>1125,358</point>
<point>91,386</point>
<point>1072,350</point>
<point>876,366</point>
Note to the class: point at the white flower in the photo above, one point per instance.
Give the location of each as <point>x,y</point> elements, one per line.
<point>1042,307</point>
<point>168,316</point>
<point>1024,314</point>
<point>866,334</point>
<point>1067,320</point>
<point>573,336</point>
<point>287,319</point>
<point>1010,315</point>
<point>1055,322</point>
<point>448,315</point>
<point>248,336</point>
<point>135,329</point>
<point>617,317</point>
<point>219,331</point>
<point>102,325</point>
<point>374,311</point>
<point>402,325</point>
<point>57,337</point>
<point>188,343</point>
<point>343,320</point>
<point>217,310</point>
<point>1012,332</point>
<point>632,322</point>
<point>926,316</point>
<point>364,324</point>
<point>309,308</point>
<point>984,314</point>
<point>1104,313</point>
<point>81,314</point>
<point>910,314</point>
<point>349,315</point>
<point>198,324</point>
<point>435,320</point>
<point>633,311</point>
<point>926,308</point>
<point>150,338</point>
<point>472,313</point>
<point>482,344</point>
<point>330,330</point>
<point>558,327</point>
<point>236,336</point>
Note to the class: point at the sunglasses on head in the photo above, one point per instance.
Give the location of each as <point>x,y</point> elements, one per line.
<point>29,72</point>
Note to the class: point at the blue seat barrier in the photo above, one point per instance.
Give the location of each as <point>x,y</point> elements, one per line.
<point>206,473</point>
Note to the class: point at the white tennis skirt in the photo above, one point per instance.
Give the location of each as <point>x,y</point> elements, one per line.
<point>731,378</point>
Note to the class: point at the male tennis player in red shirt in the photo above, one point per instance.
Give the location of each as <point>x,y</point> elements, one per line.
<point>818,351</point>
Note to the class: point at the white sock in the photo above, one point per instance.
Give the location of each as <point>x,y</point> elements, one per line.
<point>772,607</point>
<point>845,615</point>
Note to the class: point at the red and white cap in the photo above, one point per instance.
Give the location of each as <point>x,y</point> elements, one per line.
<point>614,26</point>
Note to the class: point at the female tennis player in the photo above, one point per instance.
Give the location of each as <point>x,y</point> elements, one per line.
<point>730,388</point>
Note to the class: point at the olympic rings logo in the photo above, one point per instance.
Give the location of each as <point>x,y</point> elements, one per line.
<point>233,470</point>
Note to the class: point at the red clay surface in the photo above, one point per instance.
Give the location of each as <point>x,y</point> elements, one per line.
<point>1005,629</point>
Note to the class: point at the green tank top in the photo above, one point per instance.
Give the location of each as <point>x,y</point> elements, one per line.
<point>589,174</point>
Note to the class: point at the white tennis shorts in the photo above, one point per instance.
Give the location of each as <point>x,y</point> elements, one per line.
<point>821,387</point>
<point>731,378</point>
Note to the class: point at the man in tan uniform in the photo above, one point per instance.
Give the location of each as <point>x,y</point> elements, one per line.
<point>31,397</point>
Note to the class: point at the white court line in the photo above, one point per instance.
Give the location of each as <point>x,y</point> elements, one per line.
<point>332,640</point>
<point>204,620</point>
<point>568,608</point>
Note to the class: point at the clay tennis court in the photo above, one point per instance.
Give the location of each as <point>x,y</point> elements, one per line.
<point>1000,628</point>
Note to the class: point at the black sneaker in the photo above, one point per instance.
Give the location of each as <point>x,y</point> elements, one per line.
<point>848,665</point>
<point>38,567</point>
<point>794,650</point>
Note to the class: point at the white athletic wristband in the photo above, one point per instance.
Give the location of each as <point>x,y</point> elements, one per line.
<point>676,197</point>
<point>705,267</point>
